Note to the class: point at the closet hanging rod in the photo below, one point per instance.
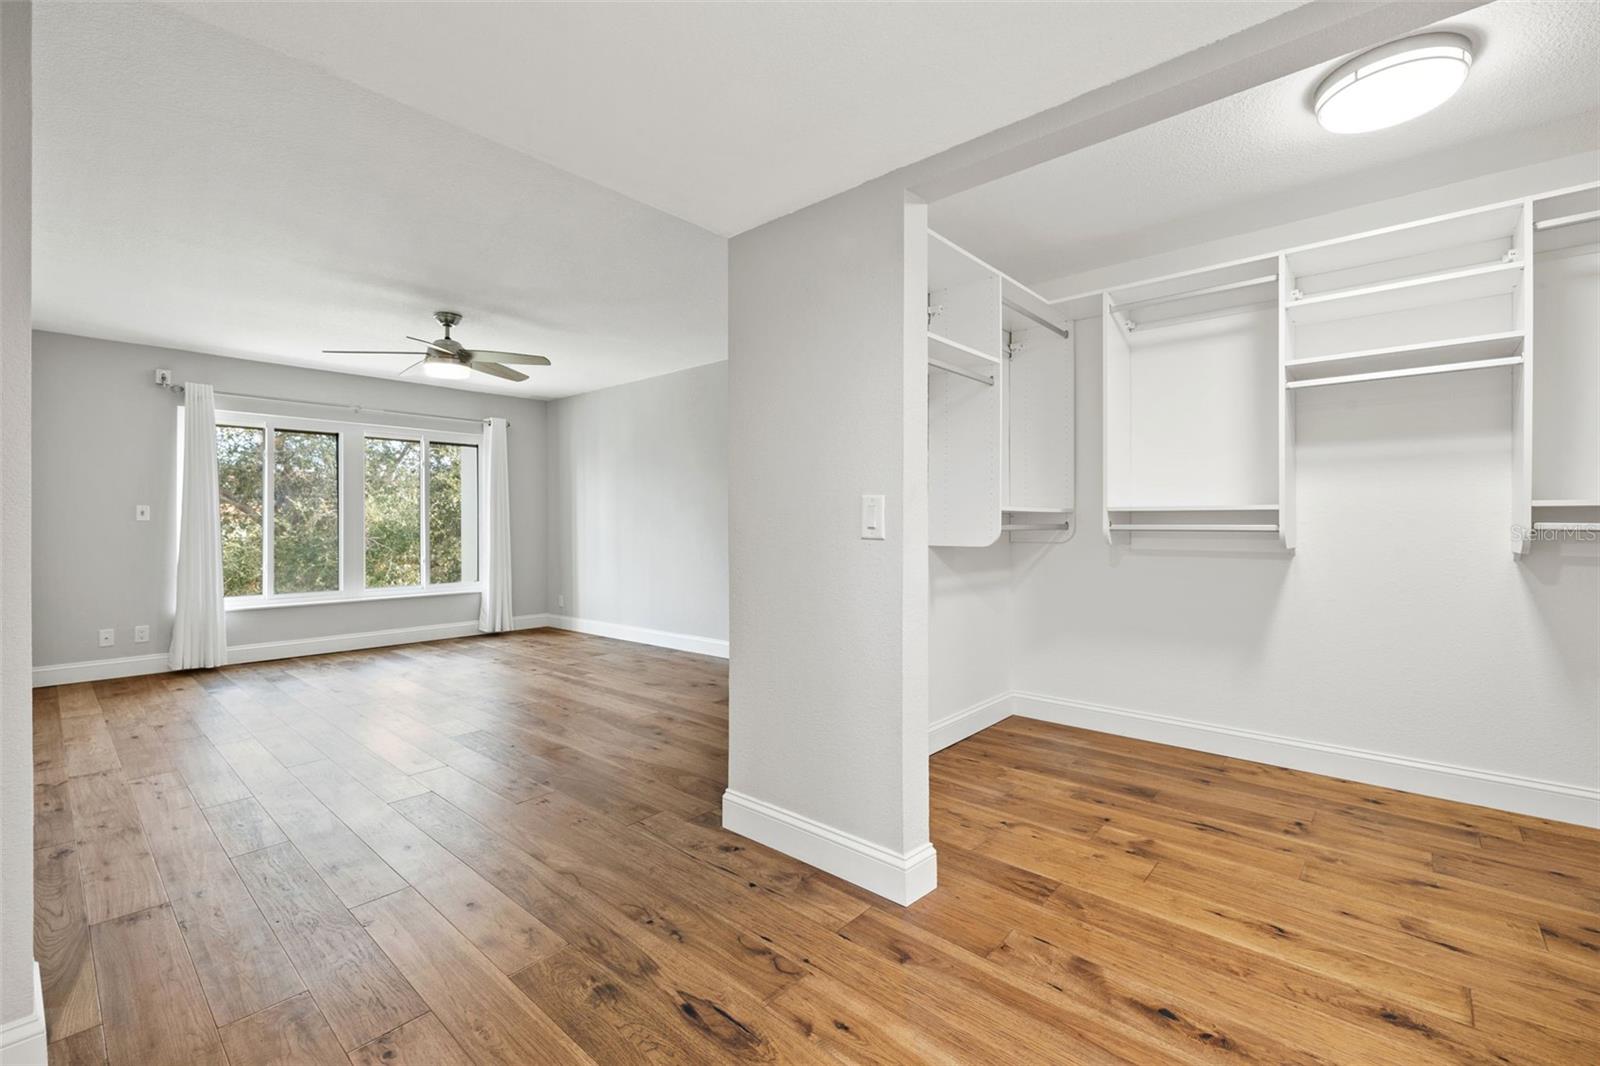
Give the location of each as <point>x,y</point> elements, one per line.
<point>1135,325</point>
<point>1408,372</point>
<point>1035,527</point>
<point>1189,294</point>
<point>963,372</point>
<point>1037,318</point>
<point>1567,220</point>
<point>1190,527</point>
<point>357,408</point>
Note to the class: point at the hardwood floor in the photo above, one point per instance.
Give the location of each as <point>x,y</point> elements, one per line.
<point>506,850</point>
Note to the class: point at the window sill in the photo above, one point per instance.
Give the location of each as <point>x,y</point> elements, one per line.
<point>369,596</point>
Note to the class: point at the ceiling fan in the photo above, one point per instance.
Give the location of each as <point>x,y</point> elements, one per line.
<point>446,358</point>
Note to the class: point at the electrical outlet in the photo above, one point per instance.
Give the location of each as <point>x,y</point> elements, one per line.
<point>108,638</point>
<point>561,600</point>
<point>141,512</point>
<point>141,634</point>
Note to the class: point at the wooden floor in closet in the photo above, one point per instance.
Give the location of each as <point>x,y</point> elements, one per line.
<point>506,850</point>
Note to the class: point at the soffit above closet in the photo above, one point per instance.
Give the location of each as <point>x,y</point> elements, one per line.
<point>1260,159</point>
<point>729,115</point>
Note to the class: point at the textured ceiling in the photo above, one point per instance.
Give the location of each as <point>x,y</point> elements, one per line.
<point>194,190</point>
<point>1259,158</point>
<point>731,114</point>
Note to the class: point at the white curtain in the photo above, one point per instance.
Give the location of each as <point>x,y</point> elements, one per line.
<point>199,631</point>
<point>494,616</point>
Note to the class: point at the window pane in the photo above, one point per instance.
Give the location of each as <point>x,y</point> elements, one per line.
<point>241,462</point>
<point>305,512</point>
<point>452,513</point>
<point>394,512</point>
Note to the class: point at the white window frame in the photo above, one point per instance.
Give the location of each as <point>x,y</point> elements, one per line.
<point>352,509</point>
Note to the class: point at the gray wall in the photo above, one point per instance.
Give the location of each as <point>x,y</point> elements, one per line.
<point>828,681</point>
<point>105,439</point>
<point>638,511</point>
<point>16,703</point>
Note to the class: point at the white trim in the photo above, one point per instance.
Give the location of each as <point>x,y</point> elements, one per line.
<point>1524,795</point>
<point>136,665</point>
<point>374,638</point>
<point>23,1041</point>
<point>99,669</point>
<point>963,723</point>
<point>903,878</point>
<point>637,634</point>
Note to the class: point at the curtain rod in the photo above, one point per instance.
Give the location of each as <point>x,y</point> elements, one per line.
<point>358,408</point>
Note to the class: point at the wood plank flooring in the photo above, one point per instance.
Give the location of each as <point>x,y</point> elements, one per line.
<point>507,850</point>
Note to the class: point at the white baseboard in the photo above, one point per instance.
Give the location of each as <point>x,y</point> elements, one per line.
<point>136,665</point>
<point>901,878</point>
<point>23,1041</point>
<point>99,669</point>
<point>1486,788</point>
<point>962,724</point>
<point>637,634</point>
<point>372,638</point>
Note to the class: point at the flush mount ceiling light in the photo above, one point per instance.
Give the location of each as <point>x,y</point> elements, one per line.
<point>1393,83</point>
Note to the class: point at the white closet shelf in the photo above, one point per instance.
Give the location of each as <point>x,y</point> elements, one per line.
<point>1566,503</point>
<point>1014,508</point>
<point>963,356</point>
<point>1408,356</point>
<point>1192,527</point>
<point>1569,527</point>
<point>1418,371</point>
<point>1212,508</point>
<point>1445,287</point>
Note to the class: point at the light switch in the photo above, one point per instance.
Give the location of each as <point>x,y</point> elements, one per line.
<point>141,512</point>
<point>872,518</point>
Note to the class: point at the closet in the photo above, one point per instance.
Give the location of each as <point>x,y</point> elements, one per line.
<point>1201,370</point>
<point>1000,405</point>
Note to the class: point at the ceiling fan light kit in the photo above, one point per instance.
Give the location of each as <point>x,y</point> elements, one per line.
<point>447,359</point>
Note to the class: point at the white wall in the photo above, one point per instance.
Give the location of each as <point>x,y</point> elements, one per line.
<point>104,440</point>
<point>638,514</point>
<point>1401,643</point>
<point>828,689</point>
<point>16,700</point>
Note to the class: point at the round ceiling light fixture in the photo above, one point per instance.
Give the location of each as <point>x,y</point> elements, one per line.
<point>1393,83</point>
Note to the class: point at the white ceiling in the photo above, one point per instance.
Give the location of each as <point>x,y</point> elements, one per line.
<point>732,114</point>
<point>1259,159</point>
<point>193,190</point>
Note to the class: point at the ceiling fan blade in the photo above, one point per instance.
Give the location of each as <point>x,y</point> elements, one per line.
<point>499,371</point>
<point>507,357</point>
<point>365,351</point>
<point>412,367</point>
<point>432,345</point>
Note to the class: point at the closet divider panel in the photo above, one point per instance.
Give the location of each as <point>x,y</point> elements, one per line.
<point>1565,440</point>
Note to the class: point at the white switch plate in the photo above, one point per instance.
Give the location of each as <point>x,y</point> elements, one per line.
<point>141,634</point>
<point>872,517</point>
<point>108,638</point>
<point>141,512</point>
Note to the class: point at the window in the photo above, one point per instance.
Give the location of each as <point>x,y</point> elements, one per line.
<point>400,490</point>
<point>241,475</point>
<point>394,512</point>
<point>408,513</point>
<point>305,511</point>
<point>452,513</point>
